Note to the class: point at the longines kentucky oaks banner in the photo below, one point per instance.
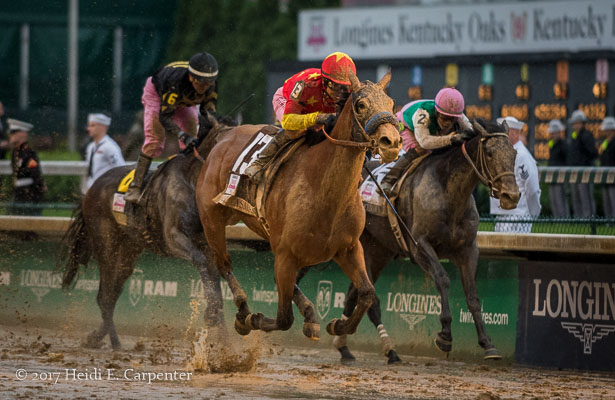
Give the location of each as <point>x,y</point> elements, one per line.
<point>407,32</point>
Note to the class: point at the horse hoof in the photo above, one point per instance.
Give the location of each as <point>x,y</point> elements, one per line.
<point>311,330</point>
<point>442,344</point>
<point>393,357</point>
<point>241,328</point>
<point>331,327</point>
<point>492,354</point>
<point>93,342</point>
<point>347,357</point>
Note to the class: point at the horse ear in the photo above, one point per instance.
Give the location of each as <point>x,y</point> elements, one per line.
<point>506,127</point>
<point>384,82</point>
<point>356,84</point>
<point>212,120</point>
<point>478,128</point>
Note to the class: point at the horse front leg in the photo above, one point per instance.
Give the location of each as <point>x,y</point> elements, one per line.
<point>311,326</point>
<point>467,262</point>
<point>352,262</point>
<point>285,271</point>
<point>216,238</point>
<point>427,259</point>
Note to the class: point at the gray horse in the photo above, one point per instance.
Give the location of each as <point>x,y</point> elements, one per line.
<point>437,205</point>
<point>168,225</point>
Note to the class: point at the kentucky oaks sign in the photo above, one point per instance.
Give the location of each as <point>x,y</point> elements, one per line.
<point>408,32</point>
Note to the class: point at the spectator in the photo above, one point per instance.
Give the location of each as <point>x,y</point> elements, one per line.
<point>28,184</point>
<point>557,158</point>
<point>102,153</point>
<point>4,144</point>
<point>526,175</point>
<point>607,159</point>
<point>581,152</point>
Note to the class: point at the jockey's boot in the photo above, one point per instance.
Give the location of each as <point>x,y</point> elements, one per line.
<point>397,170</point>
<point>133,194</point>
<point>257,167</point>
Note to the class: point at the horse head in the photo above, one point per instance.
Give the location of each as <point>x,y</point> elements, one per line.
<point>374,120</point>
<point>495,162</point>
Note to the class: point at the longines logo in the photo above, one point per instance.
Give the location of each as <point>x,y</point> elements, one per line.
<point>323,298</point>
<point>580,300</point>
<point>412,319</point>
<point>588,334</point>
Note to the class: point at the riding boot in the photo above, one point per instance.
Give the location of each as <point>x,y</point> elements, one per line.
<point>133,194</point>
<point>257,167</point>
<point>397,170</point>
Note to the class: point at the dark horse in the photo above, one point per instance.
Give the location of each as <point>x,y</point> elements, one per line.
<point>436,204</point>
<point>313,209</point>
<point>172,229</point>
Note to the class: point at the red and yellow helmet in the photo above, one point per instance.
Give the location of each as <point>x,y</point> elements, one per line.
<point>335,67</point>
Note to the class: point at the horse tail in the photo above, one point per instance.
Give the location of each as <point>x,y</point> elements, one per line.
<point>75,249</point>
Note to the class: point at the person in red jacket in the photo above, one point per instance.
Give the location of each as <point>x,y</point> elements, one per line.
<point>310,97</point>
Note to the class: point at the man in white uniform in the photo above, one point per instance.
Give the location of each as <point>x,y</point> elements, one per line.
<point>102,153</point>
<point>526,175</point>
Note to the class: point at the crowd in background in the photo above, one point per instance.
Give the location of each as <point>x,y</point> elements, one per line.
<point>570,144</point>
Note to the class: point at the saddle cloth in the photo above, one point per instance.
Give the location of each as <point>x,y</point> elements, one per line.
<point>240,193</point>
<point>119,207</point>
<point>373,200</point>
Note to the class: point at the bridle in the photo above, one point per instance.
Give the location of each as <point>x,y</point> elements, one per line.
<point>482,171</point>
<point>361,134</point>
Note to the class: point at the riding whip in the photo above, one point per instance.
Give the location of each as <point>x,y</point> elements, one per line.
<point>238,106</point>
<point>401,221</point>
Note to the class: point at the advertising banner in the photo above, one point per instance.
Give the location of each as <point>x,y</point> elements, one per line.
<point>166,293</point>
<point>566,316</point>
<point>411,32</point>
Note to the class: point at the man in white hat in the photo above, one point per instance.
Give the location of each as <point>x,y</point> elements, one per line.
<point>558,151</point>
<point>526,175</point>
<point>28,184</point>
<point>607,159</point>
<point>581,152</point>
<point>102,153</point>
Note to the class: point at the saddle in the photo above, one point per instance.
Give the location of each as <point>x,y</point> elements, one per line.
<point>131,214</point>
<point>240,192</point>
<point>375,203</point>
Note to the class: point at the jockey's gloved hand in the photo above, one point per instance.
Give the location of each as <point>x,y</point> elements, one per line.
<point>322,118</point>
<point>458,138</point>
<point>185,138</point>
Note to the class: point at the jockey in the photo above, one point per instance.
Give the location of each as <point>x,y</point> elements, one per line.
<point>170,98</point>
<point>311,97</point>
<point>429,125</point>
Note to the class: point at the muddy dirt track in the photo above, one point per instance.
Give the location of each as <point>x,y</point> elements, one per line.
<point>44,364</point>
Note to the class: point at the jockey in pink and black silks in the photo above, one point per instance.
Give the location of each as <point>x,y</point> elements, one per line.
<point>172,99</point>
<point>428,125</point>
<point>310,97</point>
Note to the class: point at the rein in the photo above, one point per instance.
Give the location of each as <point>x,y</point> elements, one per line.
<point>371,125</point>
<point>482,171</point>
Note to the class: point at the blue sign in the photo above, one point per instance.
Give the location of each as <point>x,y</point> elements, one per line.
<point>417,75</point>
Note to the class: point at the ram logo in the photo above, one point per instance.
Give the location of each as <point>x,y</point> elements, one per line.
<point>323,298</point>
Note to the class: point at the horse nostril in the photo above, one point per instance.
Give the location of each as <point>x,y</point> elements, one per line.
<point>385,141</point>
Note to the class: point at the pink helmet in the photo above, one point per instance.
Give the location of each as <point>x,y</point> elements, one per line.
<point>449,101</point>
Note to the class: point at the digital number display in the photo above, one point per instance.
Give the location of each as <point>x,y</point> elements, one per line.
<point>485,92</point>
<point>479,112</point>
<point>415,93</point>
<point>522,91</point>
<point>595,111</point>
<point>519,111</point>
<point>560,90</point>
<point>541,151</point>
<point>547,112</point>
<point>541,131</point>
<point>599,90</point>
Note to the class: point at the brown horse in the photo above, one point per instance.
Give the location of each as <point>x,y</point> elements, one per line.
<point>313,209</point>
<point>437,205</point>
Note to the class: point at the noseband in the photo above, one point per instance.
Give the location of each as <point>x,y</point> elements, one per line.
<point>482,171</point>
<point>361,135</point>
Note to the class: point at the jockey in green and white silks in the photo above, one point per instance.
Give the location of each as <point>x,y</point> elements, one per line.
<point>428,126</point>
